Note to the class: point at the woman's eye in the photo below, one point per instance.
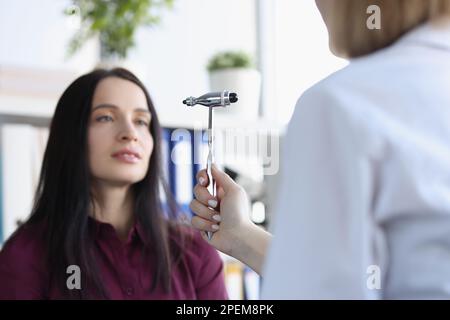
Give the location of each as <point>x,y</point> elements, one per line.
<point>104,118</point>
<point>142,123</point>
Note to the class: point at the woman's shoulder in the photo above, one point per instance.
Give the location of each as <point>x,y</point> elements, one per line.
<point>23,268</point>
<point>25,244</point>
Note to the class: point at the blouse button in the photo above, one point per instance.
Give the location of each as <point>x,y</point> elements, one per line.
<point>129,291</point>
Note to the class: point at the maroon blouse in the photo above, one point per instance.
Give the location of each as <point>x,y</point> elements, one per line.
<point>24,271</point>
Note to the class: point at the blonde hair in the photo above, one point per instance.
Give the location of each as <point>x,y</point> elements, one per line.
<point>350,36</point>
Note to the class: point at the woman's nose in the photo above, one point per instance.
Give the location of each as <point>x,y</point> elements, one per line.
<point>128,133</point>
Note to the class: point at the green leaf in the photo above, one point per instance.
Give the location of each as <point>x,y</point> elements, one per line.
<point>116,21</point>
<point>230,59</point>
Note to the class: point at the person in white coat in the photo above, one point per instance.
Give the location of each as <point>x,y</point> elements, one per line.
<point>364,206</point>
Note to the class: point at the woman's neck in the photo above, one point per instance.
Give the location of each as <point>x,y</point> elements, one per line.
<point>114,205</point>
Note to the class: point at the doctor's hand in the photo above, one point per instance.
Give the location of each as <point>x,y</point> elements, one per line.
<point>227,216</point>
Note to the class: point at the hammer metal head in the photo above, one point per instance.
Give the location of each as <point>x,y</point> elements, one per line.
<point>213,99</point>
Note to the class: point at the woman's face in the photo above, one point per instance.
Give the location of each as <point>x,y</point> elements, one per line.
<point>119,139</point>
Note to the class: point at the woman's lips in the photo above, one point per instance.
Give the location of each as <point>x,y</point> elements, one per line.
<point>126,157</point>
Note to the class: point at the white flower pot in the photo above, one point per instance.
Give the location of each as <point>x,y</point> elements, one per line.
<point>246,83</point>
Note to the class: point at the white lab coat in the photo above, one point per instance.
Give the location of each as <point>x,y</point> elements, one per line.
<point>366,180</point>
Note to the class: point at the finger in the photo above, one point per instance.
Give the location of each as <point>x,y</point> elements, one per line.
<point>202,194</point>
<point>203,224</point>
<point>223,179</point>
<point>220,194</point>
<point>202,178</point>
<point>203,211</point>
<point>205,236</point>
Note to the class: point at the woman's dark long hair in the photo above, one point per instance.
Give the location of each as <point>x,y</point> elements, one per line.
<point>63,197</point>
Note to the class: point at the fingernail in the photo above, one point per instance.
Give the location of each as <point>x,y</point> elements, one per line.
<point>201,180</point>
<point>217,217</point>
<point>215,227</point>
<point>212,203</point>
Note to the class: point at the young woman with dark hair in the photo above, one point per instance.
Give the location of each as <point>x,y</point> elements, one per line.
<point>98,208</point>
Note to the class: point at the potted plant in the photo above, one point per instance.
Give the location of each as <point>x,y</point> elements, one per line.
<point>235,71</point>
<point>114,22</point>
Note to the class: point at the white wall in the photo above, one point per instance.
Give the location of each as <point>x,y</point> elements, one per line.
<point>171,57</point>
<point>35,34</point>
<point>302,56</point>
<point>174,54</point>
